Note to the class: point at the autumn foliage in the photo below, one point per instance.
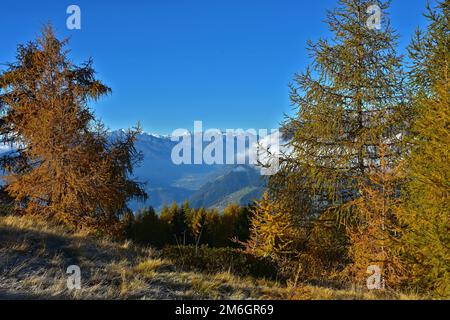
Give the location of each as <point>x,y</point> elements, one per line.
<point>63,165</point>
<point>375,233</point>
<point>271,231</point>
<point>366,180</point>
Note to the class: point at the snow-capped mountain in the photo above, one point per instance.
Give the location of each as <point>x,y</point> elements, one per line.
<point>201,184</point>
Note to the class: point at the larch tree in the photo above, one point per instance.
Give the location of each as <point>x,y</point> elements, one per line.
<point>197,224</point>
<point>271,232</point>
<point>348,100</point>
<point>64,164</point>
<point>426,239</point>
<point>374,239</point>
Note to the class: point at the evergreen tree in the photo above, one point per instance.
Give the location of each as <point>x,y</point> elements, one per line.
<point>65,166</point>
<point>242,224</point>
<point>426,239</point>
<point>149,229</point>
<point>213,227</point>
<point>128,225</point>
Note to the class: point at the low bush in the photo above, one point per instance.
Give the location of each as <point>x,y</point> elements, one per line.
<point>214,260</point>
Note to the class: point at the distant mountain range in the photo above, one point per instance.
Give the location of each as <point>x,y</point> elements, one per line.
<point>210,186</point>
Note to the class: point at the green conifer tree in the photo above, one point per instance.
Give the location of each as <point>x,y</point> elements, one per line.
<point>348,100</point>
<point>426,240</point>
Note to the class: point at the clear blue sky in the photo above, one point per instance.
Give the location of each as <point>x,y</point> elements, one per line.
<point>170,62</point>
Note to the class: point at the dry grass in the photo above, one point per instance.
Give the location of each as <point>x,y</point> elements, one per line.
<point>34,256</point>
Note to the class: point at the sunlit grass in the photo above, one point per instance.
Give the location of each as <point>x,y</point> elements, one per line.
<point>38,254</point>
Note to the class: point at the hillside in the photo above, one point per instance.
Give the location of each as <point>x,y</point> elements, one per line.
<point>34,257</point>
<point>210,186</point>
<point>240,184</point>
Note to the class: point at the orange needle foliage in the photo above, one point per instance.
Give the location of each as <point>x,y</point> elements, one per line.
<point>65,166</point>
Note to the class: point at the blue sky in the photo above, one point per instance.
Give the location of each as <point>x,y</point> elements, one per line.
<point>170,62</point>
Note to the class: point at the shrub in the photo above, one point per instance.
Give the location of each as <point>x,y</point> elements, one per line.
<point>214,260</point>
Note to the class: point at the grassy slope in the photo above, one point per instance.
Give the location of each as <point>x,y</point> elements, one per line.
<point>34,258</point>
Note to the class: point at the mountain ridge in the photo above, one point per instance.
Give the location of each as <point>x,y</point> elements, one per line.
<point>210,186</point>
<point>203,185</point>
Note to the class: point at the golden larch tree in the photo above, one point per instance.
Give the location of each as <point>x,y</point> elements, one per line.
<point>64,164</point>
<point>271,231</point>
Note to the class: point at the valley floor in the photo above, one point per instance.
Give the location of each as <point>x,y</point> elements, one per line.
<point>34,258</point>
